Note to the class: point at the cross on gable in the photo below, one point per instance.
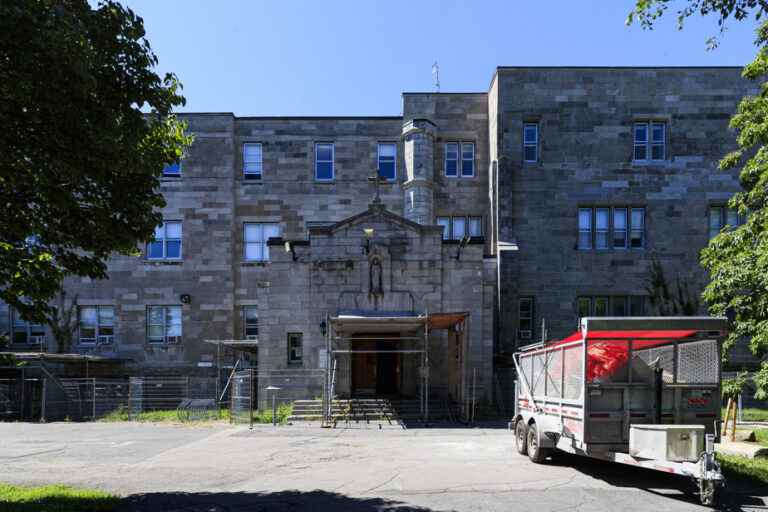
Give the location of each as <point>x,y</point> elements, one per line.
<point>377,180</point>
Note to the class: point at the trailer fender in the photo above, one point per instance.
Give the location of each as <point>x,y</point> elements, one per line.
<point>545,437</point>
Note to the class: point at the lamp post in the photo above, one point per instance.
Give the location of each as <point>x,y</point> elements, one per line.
<point>274,390</point>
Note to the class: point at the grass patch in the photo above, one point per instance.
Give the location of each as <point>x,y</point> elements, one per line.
<point>162,416</point>
<point>752,414</point>
<point>265,416</point>
<point>761,436</point>
<point>55,498</point>
<point>754,470</point>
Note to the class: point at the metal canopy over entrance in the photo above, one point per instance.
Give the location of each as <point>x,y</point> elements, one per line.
<point>365,351</point>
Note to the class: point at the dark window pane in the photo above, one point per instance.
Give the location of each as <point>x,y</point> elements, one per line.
<point>155,249</point>
<point>530,153</point>
<point>658,133</point>
<point>641,133</point>
<point>619,306</point>
<point>657,152</point>
<point>467,167</point>
<point>324,152</point>
<point>640,152</point>
<point>583,305</point>
<point>324,171</point>
<point>387,170</point>
<point>601,306</point>
<point>636,306</point>
<point>451,167</point>
<point>173,249</point>
<point>530,133</point>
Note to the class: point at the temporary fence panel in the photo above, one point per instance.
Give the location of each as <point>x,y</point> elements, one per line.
<point>242,397</point>
<point>83,399</point>
<point>171,393</point>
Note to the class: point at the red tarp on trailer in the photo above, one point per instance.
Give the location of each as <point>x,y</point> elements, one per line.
<point>606,355</point>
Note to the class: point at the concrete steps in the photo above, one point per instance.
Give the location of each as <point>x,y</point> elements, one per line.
<point>357,410</point>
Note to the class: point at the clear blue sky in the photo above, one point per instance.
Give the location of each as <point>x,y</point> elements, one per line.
<point>332,57</point>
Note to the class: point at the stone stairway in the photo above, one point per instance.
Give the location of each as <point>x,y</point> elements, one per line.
<point>369,410</point>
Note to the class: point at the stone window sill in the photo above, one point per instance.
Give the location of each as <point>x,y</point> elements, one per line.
<point>254,263</point>
<point>162,263</point>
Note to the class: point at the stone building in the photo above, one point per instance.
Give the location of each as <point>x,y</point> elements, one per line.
<point>544,198</point>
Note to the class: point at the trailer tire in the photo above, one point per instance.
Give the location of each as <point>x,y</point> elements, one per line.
<point>536,453</point>
<point>521,437</point>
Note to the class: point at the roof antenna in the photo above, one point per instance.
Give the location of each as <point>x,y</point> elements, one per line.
<point>436,76</point>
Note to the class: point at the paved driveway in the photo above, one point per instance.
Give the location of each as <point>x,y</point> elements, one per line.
<point>219,468</point>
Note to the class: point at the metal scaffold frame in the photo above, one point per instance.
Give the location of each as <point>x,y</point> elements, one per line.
<point>336,334</point>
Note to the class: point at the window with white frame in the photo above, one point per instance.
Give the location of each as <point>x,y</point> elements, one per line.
<point>387,160</point>
<point>251,322</point>
<point>530,142</point>
<point>650,141</point>
<point>24,331</point>
<point>615,305</point>
<point>525,318</point>
<point>164,324</point>
<point>721,217</point>
<point>255,238</point>
<point>324,153</point>
<point>605,228</point>
<point>295,347</point>
<point>96,325</point>
<point>167,242</point>
<point>459,159</point>
<point>252,161</point>
<point>467,159</point>
<point>456,228</point>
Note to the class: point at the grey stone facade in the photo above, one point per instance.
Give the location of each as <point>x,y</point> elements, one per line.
<point>585,118</point>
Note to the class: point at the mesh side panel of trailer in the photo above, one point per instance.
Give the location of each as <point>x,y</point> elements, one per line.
<point>554,373</point>
<point>697,362</point>
<point>647,358</point>
<point>574,373</point>
<point>539,380</point>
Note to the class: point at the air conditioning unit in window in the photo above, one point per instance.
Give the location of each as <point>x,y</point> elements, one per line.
<point>174,340</point>
<point>252,337</point>
<point>105,339</point>
<point>36,340</point>
<point>524,335</point>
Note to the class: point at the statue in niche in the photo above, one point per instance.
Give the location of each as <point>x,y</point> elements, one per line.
<point>376,280</point>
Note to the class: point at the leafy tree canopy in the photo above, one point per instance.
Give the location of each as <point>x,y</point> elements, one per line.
<point>85,130</point>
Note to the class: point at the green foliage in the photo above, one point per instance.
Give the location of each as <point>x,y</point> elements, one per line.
<point>648,12</point>
<point>742,468</point>
<point>265,415</point>
<point>55,498</point>
<point>761,436</point>
<point>161,416</point>
<point>732,388</point>
<point>87,127</point>
<point>666,300</point>
<point>761,382</point>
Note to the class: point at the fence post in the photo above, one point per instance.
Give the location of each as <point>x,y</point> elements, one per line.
<point>250,405</point>
<point>42,405</point>
<point>130,402</point>
<point>93,417</point>
<point>740,409</point>
<point>188,397</point>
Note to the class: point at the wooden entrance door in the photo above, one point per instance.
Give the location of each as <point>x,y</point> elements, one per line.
<point>364,369</point>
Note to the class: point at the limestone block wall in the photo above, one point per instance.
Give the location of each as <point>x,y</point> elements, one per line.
<point>586,119</point>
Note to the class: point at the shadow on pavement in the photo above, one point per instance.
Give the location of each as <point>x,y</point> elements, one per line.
<point>284,501</point>
<point>736,496</point>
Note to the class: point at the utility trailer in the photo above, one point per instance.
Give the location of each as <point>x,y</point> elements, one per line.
<point>640,391</point>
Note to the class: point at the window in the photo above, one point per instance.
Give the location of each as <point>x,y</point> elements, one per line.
<point>172,170</point>
<point>467,159</point>
<point>23,331</point>
<point>620,305</point>
<point>720,217</point>
<point>256,236</point>
<point>96,324</point>
<point>617,228</point>
<point>653,149</point>
<point>452,159</point>
<point>387,160</point>
<point>602,227</point>
<point>164,324</point>
<point>525,318</point>
<point>252,161</point>
<point>295,347</point>
<point>251,322</point>
<point>530,142</point>
<point>167,242</point>
<point>445,222</point>
<point>585,228</point>
<point>456,228</point>
<point>324,161</point>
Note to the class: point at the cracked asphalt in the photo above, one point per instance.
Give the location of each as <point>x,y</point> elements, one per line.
<point>219,468</point>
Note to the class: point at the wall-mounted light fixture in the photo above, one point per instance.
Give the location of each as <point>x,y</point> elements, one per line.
<point>289,248</point>
<point>462,243</point>
<point>367,236</point>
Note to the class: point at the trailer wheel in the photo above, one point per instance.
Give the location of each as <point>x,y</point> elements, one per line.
<point>536,453</point>
<point>707,492</point>
<point>521,437</point>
